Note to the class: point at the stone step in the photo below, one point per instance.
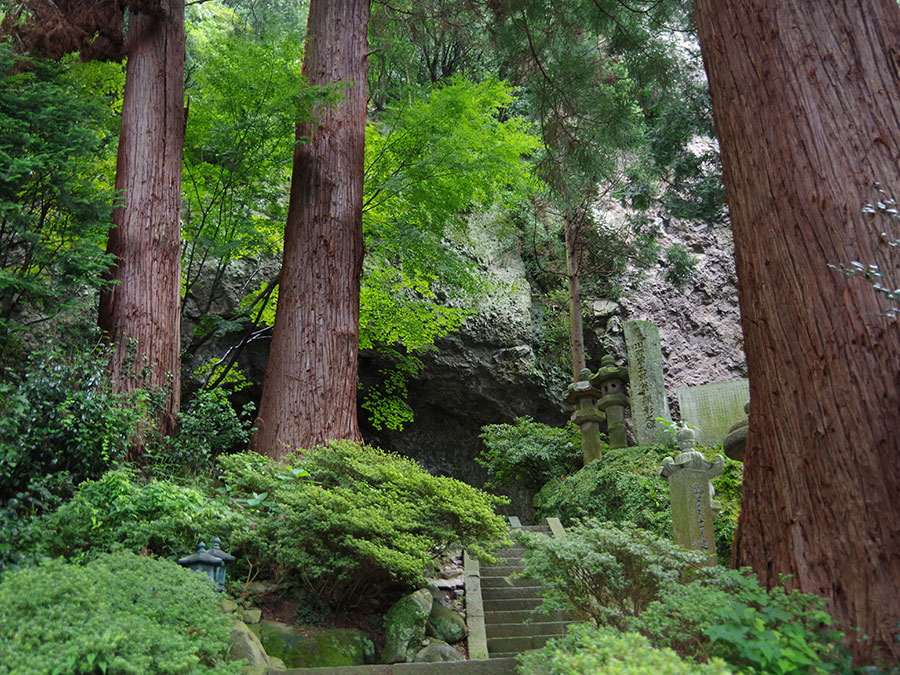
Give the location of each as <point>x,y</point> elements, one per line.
<point>522,615</point>
<point>510,593</point>
<point>499,570</point>
<point>504,581</point>
<point>516,645</point>
<point>509,604</point>
<point>494,666</point>
<point>499,630</point>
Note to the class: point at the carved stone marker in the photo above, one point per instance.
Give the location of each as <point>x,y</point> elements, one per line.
<point>646,383</point>
<point>610,380</point>
<point>584,396</point>
<point>712,408</point>
<point>691,495</point>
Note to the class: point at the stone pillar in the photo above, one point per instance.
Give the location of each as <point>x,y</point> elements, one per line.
<point>691,495</point>
<point>646,382</point>
<point>610,380</point>
<point>583,396</point>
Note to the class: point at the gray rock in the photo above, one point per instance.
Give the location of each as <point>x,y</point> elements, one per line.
<point>312,648</point>
<point>246,645</point>
<point>404,626</point>
<point>445,624</point>
<point>251,615</point>
<point>437,651</point>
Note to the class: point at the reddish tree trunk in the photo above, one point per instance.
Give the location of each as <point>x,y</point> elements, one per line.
<point>309,390</point>
<point>141,312</point>
<point>806,99</point>
<point>572,228</point>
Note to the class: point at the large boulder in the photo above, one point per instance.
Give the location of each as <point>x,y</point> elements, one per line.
<point>445,624</point>
<point>404,627</point>
<point>306,648</point>
<point>245,645</point>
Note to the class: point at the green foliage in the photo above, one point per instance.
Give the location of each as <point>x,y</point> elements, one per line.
<point>625,487</point>
<point>55,196</point>
<point>586,650</point>
<point>120,613</point>
<point>207,426</point>
<point>386,402</point>
<point>606,572</point>
<point>680,265</point>
<point>631,580</point>
<point>528,453</point>
<point>61,415</point>
<point>350,522</point>
<point>119,510</point>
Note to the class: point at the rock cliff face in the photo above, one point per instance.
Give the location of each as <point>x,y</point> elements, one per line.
<point>488,373</point>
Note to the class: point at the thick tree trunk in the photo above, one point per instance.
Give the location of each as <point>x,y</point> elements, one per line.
<point>573,277</point>
<point>806,99</point>
<point>309,390</point>
<point>141,312</point>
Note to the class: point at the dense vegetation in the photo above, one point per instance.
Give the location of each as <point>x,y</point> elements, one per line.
<point>530,119</point>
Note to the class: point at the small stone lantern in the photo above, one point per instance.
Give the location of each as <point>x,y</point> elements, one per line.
<point>583,396</point>
<point>736,441</point>
<point>610,380</point>
<point>205,562</point>
<point>225,558</point>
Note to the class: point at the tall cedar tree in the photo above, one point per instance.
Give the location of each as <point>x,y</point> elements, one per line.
<point>806,100</point>
<point>309,390</point>
<point>141,311</point>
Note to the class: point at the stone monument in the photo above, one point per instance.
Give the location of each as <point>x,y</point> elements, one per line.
<point>691,495</point>
<point>583,396</point>
<point>610,380</point>
<point>646,382</point>
<point>712,408</point>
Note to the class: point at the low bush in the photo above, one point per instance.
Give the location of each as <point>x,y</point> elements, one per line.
<point>120,510</point>
<point>624,487</point>
<point>586,650</point>
<point>120,613</point>
<point>528,454</point>
<point>349,522</point>
<point>629,579</point>
<point>207,426</point>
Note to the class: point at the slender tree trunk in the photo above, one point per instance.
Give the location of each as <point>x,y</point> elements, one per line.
<point>806,98</point>
<point>573,277</point>
<point>141,312</point>
<point>309,390</point>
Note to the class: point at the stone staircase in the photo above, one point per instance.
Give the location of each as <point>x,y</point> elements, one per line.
<point>511,627</point>
<point>499,615</point>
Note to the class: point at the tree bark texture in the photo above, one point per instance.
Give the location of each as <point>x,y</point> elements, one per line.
<point>309,389</point>
<point>806,100</point>
<point>141,312</point>
<point>573,224</point>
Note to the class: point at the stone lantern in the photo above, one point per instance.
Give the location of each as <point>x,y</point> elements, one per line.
<point>610,380</point>
<point>736,441</point>
<point>583,396</point>
<point>691,495</point>
<point>203,561</point>
<point>225,558</point>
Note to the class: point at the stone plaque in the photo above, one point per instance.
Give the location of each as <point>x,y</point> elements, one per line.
<point>712,409</point>
<point>692,516</point>
<point>646,383</point>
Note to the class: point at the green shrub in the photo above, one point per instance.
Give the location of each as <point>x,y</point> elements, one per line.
<point>624,487</point>
<point>120,613</point>
<point>588,650</point>
<point>122,511</point>
<point>631,580</point>
<point>351,521</point>
<point>528,454</point>
<point>680,265</point>
<point>61,414</point>
<point>207,426</point>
